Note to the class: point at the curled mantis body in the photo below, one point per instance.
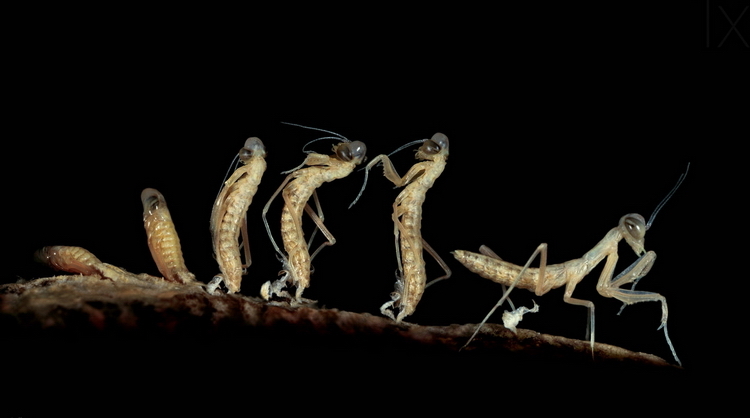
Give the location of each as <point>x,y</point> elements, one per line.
<point>162,238</point>
<point>407,220</point>
<point>81,261</point>
<point>632,228</point>
<point>74,260</point>
<point>229,216</point>
<point>296,190</point>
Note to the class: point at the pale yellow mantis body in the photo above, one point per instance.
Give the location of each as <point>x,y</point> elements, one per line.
<point>81,261</point>
<point>407,221</point>
<point>163,241</point>
<point>229,216</point>
<point>296,190</point>
<point>632,228</point>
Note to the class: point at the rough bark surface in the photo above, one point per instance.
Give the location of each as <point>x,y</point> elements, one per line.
<point>83,338</point>
<point>89,306</point>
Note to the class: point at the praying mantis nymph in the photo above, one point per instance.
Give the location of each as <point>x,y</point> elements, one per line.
<point>229,216</point>
<point>296,190</point>
<point>407,219</point>
<point>632,228</point>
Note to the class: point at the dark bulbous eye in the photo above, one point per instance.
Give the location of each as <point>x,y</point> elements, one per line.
<point>344,152</point>
<point>351,151</point>
<point>435,144</point>
<point>358,150</point>
<point>635,225</point>
<point>430,147</point>
<point>245,154</point>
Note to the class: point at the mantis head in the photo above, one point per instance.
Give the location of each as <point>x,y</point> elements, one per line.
<point>152,200</point>
<point>253,146</point>
<point>633,229</point>
<point>438,144</point>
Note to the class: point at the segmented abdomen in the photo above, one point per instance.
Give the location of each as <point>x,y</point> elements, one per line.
<point>70,259</point>
<point>162,238</point>
<point>412,260</point>
<point>503,272</point>
<point>296,195</point>
<point>226,236</point>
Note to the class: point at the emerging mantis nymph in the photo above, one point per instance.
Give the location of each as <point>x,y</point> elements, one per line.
<point>162,238</point>
<point>81,261</point>
<point>632,228</point>
<point>229,216</point>
<point>407,220</point>
<point>296,190</point>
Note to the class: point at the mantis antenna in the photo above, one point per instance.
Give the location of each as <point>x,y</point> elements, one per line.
<point>669,195</point>
<point>232,168</point>
<point>336,136</point>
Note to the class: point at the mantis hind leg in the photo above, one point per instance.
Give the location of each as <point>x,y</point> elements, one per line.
<point>321,217</point>
<point>542,248</point>
<point>485,250</point>
<point>440,261</point>
<point>318,219</point>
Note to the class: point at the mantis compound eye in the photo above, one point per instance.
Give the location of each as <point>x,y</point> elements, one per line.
<point>434,145</point>
<point>633,229</point>
<point>351,151</point>
<point>252,146</point>
<point>635,225</point>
